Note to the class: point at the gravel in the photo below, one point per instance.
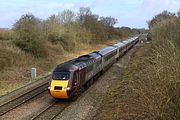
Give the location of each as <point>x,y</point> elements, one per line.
<point>28,108</point>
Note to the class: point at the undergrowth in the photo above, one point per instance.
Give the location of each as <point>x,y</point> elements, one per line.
<point>150,86</point>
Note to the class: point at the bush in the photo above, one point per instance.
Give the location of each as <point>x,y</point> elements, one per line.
<point>54,37</point>
<point>67,42</point>
<point>69,36</point>
<point>165,69</point>
<point>65,39</point>
<point>167,31</point>
<point>149,36</point>
<point>6,34</point>
<point>30,35</point>
<point>5,59</point>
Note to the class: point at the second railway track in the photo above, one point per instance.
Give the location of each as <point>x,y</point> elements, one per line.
<point>15,102</point>
<point>51,111</point>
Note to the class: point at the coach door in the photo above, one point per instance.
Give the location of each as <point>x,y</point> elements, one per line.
<point>75,82</point>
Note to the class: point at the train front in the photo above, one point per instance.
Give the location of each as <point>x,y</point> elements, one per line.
<point>60,85</point>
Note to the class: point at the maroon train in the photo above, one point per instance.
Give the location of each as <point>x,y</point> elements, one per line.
<point>70,78</point>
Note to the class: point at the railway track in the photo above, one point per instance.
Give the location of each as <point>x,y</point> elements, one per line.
<point>51,111</point>
<point>17,101</point>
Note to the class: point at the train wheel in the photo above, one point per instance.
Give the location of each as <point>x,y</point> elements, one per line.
<point>117,59</point>
<point>91,81</point>
<point>81,90</point>
<point>102,72</point>
<point>74,96</point>
<point>87,85</point>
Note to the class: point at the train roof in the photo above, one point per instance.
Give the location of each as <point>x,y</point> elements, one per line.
<point>77,63</point>
<point>132,39</point>
<point>95,55</point>
<point>84,58</point>
<point>126,42</point>
<point>83,61</point>
<point>106,50</point>
<point>67,66</point>
<point>120,44</point>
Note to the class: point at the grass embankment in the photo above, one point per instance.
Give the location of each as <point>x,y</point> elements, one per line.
<point>150,86</point>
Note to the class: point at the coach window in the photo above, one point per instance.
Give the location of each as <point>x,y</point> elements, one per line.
<point>99,63</point>
<point>90,68</point>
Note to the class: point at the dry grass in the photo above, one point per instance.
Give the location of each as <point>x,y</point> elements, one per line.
<point>6,34</point>
<point>150,86</point>
<point>147,90</point>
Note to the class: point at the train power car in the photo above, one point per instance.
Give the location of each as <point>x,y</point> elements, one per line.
<point>98,65</point>
<point>70,78</point>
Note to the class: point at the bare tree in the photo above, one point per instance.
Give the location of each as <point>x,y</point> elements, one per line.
<point>67,17</point>
<point>108,21</point>
<point>83,13</point>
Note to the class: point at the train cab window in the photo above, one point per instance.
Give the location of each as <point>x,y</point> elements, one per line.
<point>61,75</point>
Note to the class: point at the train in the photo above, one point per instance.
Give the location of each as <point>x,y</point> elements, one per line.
<point>70,79</point>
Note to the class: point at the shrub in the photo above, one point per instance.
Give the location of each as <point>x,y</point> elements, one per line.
<point>54,37</point>
<point>70,36</point>
<point>167,31</point>
<point>165,66</point>
<point>6,34</point>
<point>29,35</point>
<point>65,39</point>
<point>149,36</point>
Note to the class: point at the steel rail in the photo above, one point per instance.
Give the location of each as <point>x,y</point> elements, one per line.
<point>51,111</point>
<point>13,103</point>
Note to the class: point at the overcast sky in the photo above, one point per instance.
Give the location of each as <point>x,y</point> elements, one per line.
<point>131,13</point>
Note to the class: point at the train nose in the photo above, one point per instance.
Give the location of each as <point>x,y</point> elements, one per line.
<point>59,88</point>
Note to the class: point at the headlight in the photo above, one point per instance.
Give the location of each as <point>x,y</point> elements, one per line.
<point>49,88</point>
<point>67,88</point>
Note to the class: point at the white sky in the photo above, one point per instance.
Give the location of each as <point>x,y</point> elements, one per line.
<point>131,13</point>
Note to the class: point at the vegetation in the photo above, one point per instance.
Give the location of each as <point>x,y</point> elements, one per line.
<point>33,42</point>
<point>67,29</point>
<point>29,35</point>
<point>6,34</point>
<point>65,32</point>
<point>150,86</point>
